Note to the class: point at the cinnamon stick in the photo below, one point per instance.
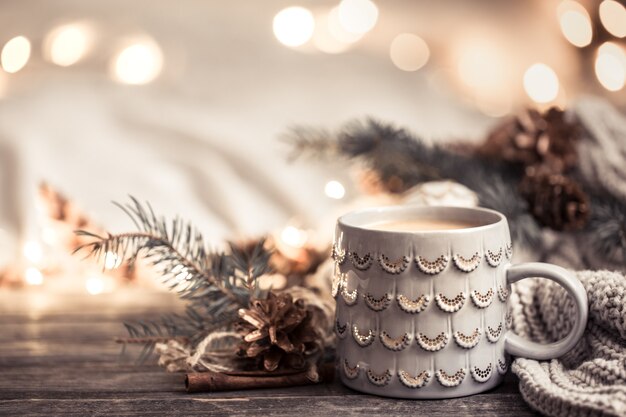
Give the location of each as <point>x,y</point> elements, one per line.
<point>215,381</point>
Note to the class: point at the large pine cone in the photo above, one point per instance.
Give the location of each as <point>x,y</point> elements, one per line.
<point>279,331</point>
<point>532,138</point>
<point>555,200</point>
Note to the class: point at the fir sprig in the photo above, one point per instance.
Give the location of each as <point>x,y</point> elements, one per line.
<point>394,152</point>
<point>215,284</point>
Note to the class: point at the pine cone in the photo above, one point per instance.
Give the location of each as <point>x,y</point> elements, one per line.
<point>278,331</point>
<point>555,200</point>
<point>532,138</point>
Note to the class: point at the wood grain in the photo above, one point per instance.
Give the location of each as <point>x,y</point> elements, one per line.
<point>59,358</point>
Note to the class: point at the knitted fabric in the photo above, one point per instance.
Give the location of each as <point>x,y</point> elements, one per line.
<point>590,380</point>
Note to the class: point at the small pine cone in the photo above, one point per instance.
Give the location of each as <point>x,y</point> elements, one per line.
<point>555,200</point>
<point>278,331</point>
<point>532,138</point>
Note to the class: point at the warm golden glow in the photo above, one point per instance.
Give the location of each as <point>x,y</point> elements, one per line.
<point>95,285</point>
<point>337,31</point>
<point>493,105</point>
<point>294,237</point>
<point>33,276</point>
<point>541,83</point>
<point>139,63</point>
<point>480,64</point>
<point>409,52</point>
<point>575,23</point>
<point>15,54</point>
<point>611,66</point>
<point>293,26</point>
<point>613,17</point>
<point>335,189</point>
<point>329,36</point>
<point>68,44</point>
<point>358,16</point>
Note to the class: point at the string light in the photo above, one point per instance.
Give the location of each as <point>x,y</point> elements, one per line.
<point>294,237</point>
<point>112,260</point>
<point>541,83</point>
<point>610,66</point>
<point>293,26</point>
<point>139,63</point>
<point>33,276</point>
<point>15,54</point>
<point>94,285</point>
<point>334,189</point>
<point>329,36</point>
<point>575,23</point>
<point>33,252</point>
<point>358,16</point>
<point>66,45</point>
<point>409,52</point>
<point>613,17</point>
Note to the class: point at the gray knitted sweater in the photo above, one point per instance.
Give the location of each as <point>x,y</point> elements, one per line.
<point>590,380</point>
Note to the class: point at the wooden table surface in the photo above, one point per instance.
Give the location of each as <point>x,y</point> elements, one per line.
<point>57,356</point>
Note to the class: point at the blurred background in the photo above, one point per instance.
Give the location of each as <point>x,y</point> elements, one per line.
<point>183,103</point>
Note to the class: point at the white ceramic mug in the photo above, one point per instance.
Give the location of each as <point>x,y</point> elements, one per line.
<point>423,314</point>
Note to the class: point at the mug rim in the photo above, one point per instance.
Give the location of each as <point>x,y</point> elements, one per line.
<point>347,220</point>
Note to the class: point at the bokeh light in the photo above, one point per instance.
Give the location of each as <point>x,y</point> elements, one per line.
<point>329,36</point>
<point>15,54</point>
<point>541,83</point>
<point>575,23</point>
<point>33,276</point>
<point>409,52</point>
<point>294,26</point>
<point>613,17</point>
<point>95,285</point>
<point>112,260</point>
<point>66,45</point>
<point>335,190</point>
<point>294,237</point>
<point>610,66</point>
<point>138,63</point>
<point>358,16</point>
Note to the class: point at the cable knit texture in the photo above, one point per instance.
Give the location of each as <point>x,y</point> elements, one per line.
<point>590,380</point>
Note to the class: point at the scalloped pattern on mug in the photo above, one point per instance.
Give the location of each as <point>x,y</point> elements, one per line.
<point>503,293</point>
<point>482,300</point>
<point>362,263</point>
<point>413,306</point>
<point>393,267</point>
<point>494,258</point>
<point>340,329</point>
<point>467,264</point>
<point>377,304</point>
<point>434,344</point>
<point>448,380</point>
<point>349,297</point>
<point>417,381</point>
<point>481,375</point>
<point>494,334</point>
<point>508,320</point>
<point>451,305</point>
<point>508,250</point>
<point>395,343</point>
<point>432,267</point>
<point>351,372</point>
<point>502,366</point>
<point>380,380</point>
<point>467,341</point>
<point>338,254</point>
<point>363,340</point>
<point>339,279</point>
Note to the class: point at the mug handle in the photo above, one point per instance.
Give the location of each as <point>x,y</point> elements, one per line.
<point>518,346</point>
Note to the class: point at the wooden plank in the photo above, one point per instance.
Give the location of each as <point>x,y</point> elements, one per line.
<point>244,405</point>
